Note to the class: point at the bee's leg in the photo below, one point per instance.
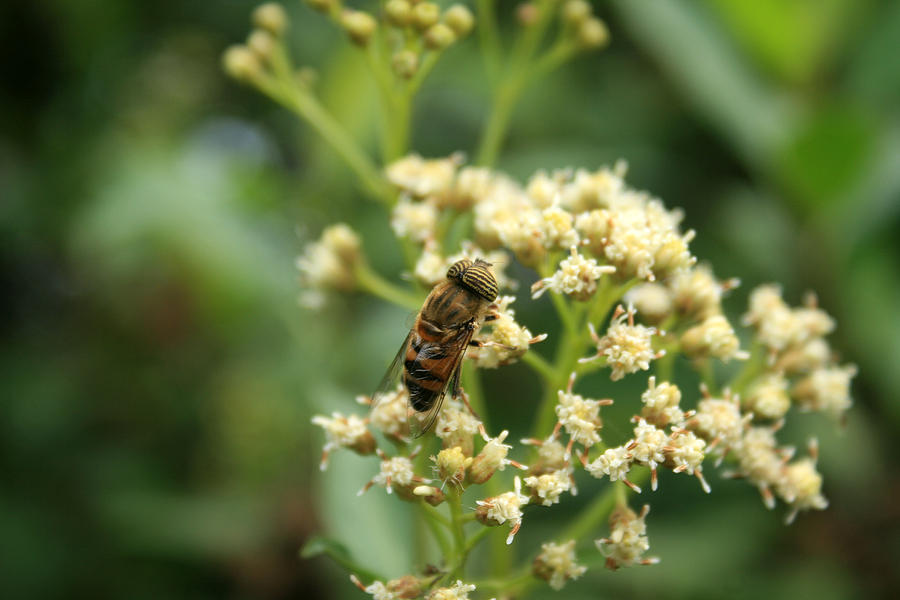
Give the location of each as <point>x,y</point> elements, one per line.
<point>491,317</point>
<point>458,392</point>
<point>480,344</point>
<point>455,389</point>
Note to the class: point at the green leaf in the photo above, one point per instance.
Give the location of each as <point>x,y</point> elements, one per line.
<point>793,39</point>
<point>322,546</point>
<point>828,156</point>
<point>704,65</point>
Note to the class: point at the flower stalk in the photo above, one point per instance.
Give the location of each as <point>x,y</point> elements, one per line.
<point>628,295</point>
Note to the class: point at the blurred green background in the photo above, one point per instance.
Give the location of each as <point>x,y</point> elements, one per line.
<point>157,377</point>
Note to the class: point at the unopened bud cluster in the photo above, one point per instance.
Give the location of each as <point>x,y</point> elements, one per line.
<point>421,26</point>
<point>252,62</point>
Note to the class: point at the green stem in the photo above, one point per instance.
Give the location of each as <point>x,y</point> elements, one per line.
<point>398,136</point>
<point>507,584</point>
<point>434,514</point>
<point>475,539</point>
<point>530,37</point>
<point>305,105</point>
<point>436,522</point>
<point>599,509</point>
<point>539,364</point>
<point>471,384</point>
<point>369,281</point>
<point>501,110</point>
<point>707,375</point>
<point>428,63</point>
<point>552,59</point>
<point>572,346</point>
<point>751,369</point>
<point>459,537</point>
<point>665,366</point>
<point>489,36</point>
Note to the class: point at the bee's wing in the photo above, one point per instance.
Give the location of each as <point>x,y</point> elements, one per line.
<point>420,422</point>
<point>394,373</point>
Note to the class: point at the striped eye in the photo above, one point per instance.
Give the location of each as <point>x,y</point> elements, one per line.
<point>458,268</point>
<point>480,279</point>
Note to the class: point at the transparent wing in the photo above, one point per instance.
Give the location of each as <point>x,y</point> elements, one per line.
<point>393,376</point>
<point>420,422</point>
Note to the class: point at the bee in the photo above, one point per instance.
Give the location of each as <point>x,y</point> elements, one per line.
<point>430,359</point>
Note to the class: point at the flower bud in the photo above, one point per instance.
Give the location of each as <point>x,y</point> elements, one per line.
<point>241,63</point>
<point>406,587</point>
<point>271,17</point>
<point>439,36</point>
<point>556,564</point>
<point>430,494</point>
<point>482,514</point>
<point>405,63</point>
<point>452,464</point>
<point>399,12</point>
<point>262,43</point>
<point>425,15</point>
<point>576,12</point>
<point>714,337</point>
<point>459,19</point>
<point>491,458</point>
<point>359,25</point>
<point>593,33</point>
<point>551,457</point>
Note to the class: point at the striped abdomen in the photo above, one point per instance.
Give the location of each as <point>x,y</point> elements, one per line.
<point>426,369</point>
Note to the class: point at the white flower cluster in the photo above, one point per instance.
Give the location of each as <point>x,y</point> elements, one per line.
<point>548,487</point>
<point>557,564</point>
<point>627,541</point>
<point>579,417</point>
<point>456,426</point>
<point>622,228</point>
<point>577,276</point>
<point>329,264</point>
<point>627,347</point>
<point>678,449</point>
<point>765,465</point>
<point>800,362</point>
<point>344,432</point>
<point>431,266</point>
<point>505,508</point>
<point>503,339</point>
<point>389,414</point>
<point>719,421</point>
<point>458,591</point>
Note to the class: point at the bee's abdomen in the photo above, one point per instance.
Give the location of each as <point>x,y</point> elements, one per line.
<point>424,373</point>
<point>420,397</point>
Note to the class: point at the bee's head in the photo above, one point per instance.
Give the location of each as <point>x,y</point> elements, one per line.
<point>476,276</point>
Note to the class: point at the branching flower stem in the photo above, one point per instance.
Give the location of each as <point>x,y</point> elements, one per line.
<point>572,346</point>
<point>371,282</point>
<point>522,69</point>
<point>459,537</point>
<point>282,86</point>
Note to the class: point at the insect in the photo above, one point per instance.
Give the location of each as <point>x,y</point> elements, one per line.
<point>430,359</point>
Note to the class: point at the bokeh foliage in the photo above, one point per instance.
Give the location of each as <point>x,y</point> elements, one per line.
<point>158,378</point>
